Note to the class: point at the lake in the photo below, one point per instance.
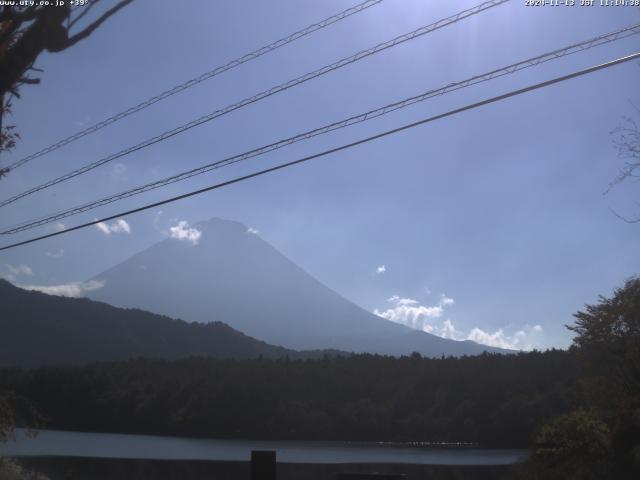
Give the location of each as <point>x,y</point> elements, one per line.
<point>109,445</point>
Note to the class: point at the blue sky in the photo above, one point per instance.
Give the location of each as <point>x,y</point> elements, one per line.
<point>490,225</point>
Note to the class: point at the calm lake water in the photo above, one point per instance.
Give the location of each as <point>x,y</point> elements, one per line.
<point>108,445</point>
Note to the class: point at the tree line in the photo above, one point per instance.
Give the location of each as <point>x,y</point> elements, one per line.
<point>490,400</point>
<point>578,409</point>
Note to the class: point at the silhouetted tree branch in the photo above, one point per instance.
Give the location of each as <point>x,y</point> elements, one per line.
<point>26,32</point>
<point>627,142</point>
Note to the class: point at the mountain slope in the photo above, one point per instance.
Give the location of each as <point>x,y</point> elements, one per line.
<point>234,276</point>
<point>38,329</point>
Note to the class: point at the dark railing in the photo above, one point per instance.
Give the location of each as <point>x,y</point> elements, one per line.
<point>371,476</point>
<point>263,467</point>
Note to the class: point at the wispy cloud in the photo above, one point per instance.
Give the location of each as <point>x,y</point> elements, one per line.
<point>428,318</point>
<point>58,227</point>
<point>74,289</point>
<point>19,270</point>
<point>119,226</point>
<point>381,269</point>
<point>524,339</point>
<point>58,254</point>
<point>182,231</point>
<point>253,231</point>
<point>9,272</point>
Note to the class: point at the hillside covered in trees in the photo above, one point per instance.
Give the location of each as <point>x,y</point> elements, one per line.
<point>579,409</point>
<point>491,400</point>
<point>39,329</point>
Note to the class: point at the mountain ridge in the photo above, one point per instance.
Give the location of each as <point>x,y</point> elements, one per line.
<point>235,276</point>
<point>40,329</point>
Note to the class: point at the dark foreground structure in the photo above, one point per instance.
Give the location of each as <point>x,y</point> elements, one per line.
<point>61,468</point>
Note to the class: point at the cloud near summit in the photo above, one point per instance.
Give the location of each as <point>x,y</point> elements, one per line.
<point>183,232</point>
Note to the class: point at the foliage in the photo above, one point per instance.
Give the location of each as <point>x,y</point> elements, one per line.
<point>6,419</point>
<point>25,32</point>
<point>76,330</point>
<point>604,442</point>
<point>487,400</point>
<point>574,445</point>
<point>608,338</point>
<point>8,136</point>
<point>12,470</point>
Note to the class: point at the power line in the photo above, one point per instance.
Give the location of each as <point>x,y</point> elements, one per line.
<point>338,149</point>
<point>199,79</point>
<point>510,69</point>
<point>262,95</point>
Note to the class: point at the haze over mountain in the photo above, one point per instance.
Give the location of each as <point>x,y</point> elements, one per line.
<point>38,329</point>
<point>222,271</point>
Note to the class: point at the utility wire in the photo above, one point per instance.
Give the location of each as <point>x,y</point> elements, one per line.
<point>262,95</point>
<point>199,79</point>
<point>510,69</point>
<point>488,101</point>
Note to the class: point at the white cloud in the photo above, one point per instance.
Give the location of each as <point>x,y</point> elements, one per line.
<point>119,226</point>
<point>58,227</point>
<point>19,270</point>
<point>74,289</point>
<point>103,227</point>
<point>183,232</point>
<point>57,254</point>
<point>411,313</point>
<point>495,339</point>
<point>405,301</point>
<point>448,331</point>
<point>253,231</point>
<point>524,339</point>
<point>381,269</point>
<point>444,300</point>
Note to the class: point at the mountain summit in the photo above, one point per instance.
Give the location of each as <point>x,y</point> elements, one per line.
<point>220,271</point>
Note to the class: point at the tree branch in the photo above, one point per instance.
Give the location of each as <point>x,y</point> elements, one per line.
<point>625,219</point>
<point>85,10</point>
<point>89,30</point>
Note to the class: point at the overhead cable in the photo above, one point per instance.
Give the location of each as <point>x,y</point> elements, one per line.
<point>369,115</point>
<point>488,101</point>
<point>260,96</point>
<point>197,80</point>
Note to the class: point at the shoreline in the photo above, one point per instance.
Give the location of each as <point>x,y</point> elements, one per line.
<point>51,443</point>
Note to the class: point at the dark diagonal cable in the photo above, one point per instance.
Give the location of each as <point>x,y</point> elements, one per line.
<point>488,101</point>
<point>510,69</point>
<point>262,95</point>
<point>199,79</point>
